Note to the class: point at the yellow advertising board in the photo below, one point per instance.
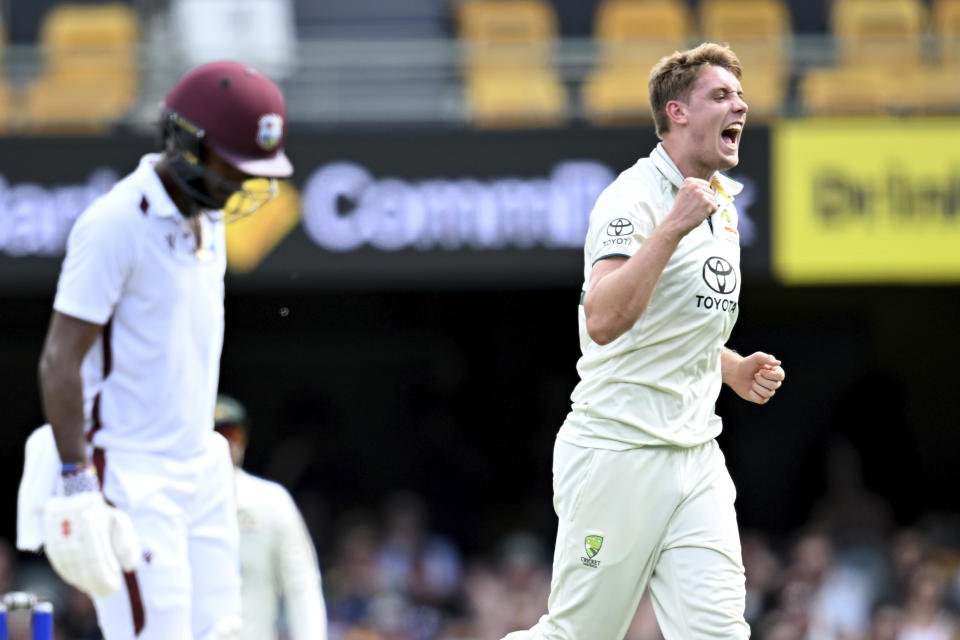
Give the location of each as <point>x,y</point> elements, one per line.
<point>866,201</point>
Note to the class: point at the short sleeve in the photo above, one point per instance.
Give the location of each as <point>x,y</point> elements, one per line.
<point>100,256</point>
<point>618,226</point>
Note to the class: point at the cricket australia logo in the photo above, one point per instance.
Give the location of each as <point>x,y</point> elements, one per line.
<point>591,544</point>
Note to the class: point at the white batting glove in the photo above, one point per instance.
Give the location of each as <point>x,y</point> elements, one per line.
<point>87,541</point>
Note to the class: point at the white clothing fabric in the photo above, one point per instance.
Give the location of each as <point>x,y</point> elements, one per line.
<point>657,383</point>
<point>132,265</point>
<point>184,512</point>
<point>40,480</point>
<point>661,516</point>
<point>277,560</point>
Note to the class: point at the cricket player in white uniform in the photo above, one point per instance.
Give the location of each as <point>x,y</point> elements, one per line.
<point>277,558</point>
<point>643,496</point>
<point>130,367</point>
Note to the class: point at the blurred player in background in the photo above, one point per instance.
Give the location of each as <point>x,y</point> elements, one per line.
<point>641,489</point>
<point>130,366</point>
<point>277,558</point>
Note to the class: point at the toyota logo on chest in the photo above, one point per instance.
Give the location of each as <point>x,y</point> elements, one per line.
<point>719,275</point>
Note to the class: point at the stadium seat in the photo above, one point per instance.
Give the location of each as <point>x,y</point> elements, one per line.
<point>847,90</point>
<point>510,76</point>
<point>946,25</point>
<point>507,32</point>
<point>877,38</point>
<point>618,94</point>
<point>89,79</point>
<point>755,29</point>
<point>931,90</point>
<point>516,98</point>
<point>764,88</point>
<point>641,31</point>
<point>880,32</point>
<point>632,36</point>
<point>866,90</point>
<point>7,109</point>
<point>758,31</point>
<point>630,21</point>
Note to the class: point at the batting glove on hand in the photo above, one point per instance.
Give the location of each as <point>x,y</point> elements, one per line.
<point>87,541</point>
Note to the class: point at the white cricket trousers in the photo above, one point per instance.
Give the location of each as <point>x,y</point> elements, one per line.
<point>184,512</point>
<point>661,517</point>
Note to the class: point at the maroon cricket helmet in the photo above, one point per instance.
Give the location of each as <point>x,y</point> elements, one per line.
<point>241,113</point>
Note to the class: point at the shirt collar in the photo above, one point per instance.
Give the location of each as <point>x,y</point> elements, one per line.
<point>158,200</point>
<point>665,165</point>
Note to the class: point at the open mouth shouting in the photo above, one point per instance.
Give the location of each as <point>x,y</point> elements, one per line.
<point>731,135</point>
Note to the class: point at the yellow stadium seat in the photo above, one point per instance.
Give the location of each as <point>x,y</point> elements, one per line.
<point>932,90</point>
<point>880,32</point>
<point>514,98</point>
<point>7,109</point>
<point>90,68</point>
<point>764,88</point>
<point>880,37</point>
<point>758,31</point>
<point>632,35</point>
<point>946,25</point>
<point>507,32</point>
<point>849,90</point>
<point>506,21</point>
<point>618,94</point>
<point>510,78</point>
<point>631,20</point>
<point>641,31</point>
<point>867,90</point>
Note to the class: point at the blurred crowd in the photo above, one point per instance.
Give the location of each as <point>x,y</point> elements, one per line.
<point>850,574</point>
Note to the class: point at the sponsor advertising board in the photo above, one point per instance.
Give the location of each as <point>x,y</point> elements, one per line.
<point>444,208</point>
<point>866,201</point>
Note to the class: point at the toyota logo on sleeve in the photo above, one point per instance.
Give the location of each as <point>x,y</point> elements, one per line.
<point>719,275</point>
<point>620,227</point>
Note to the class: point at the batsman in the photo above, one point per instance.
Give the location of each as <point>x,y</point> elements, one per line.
<point>145,520</point>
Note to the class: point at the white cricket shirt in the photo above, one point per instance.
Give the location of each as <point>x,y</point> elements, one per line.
<point>133,265</point>
<point>657,383</point>
<point>277,559</point>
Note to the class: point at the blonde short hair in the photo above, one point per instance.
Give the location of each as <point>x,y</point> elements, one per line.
<point>674,76</point>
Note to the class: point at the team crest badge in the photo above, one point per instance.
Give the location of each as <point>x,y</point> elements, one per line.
<point>269,131</point>
<point>729,219</point>
<point>592,545</point>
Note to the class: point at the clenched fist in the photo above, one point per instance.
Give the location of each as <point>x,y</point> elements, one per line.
<point>695,202</point>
